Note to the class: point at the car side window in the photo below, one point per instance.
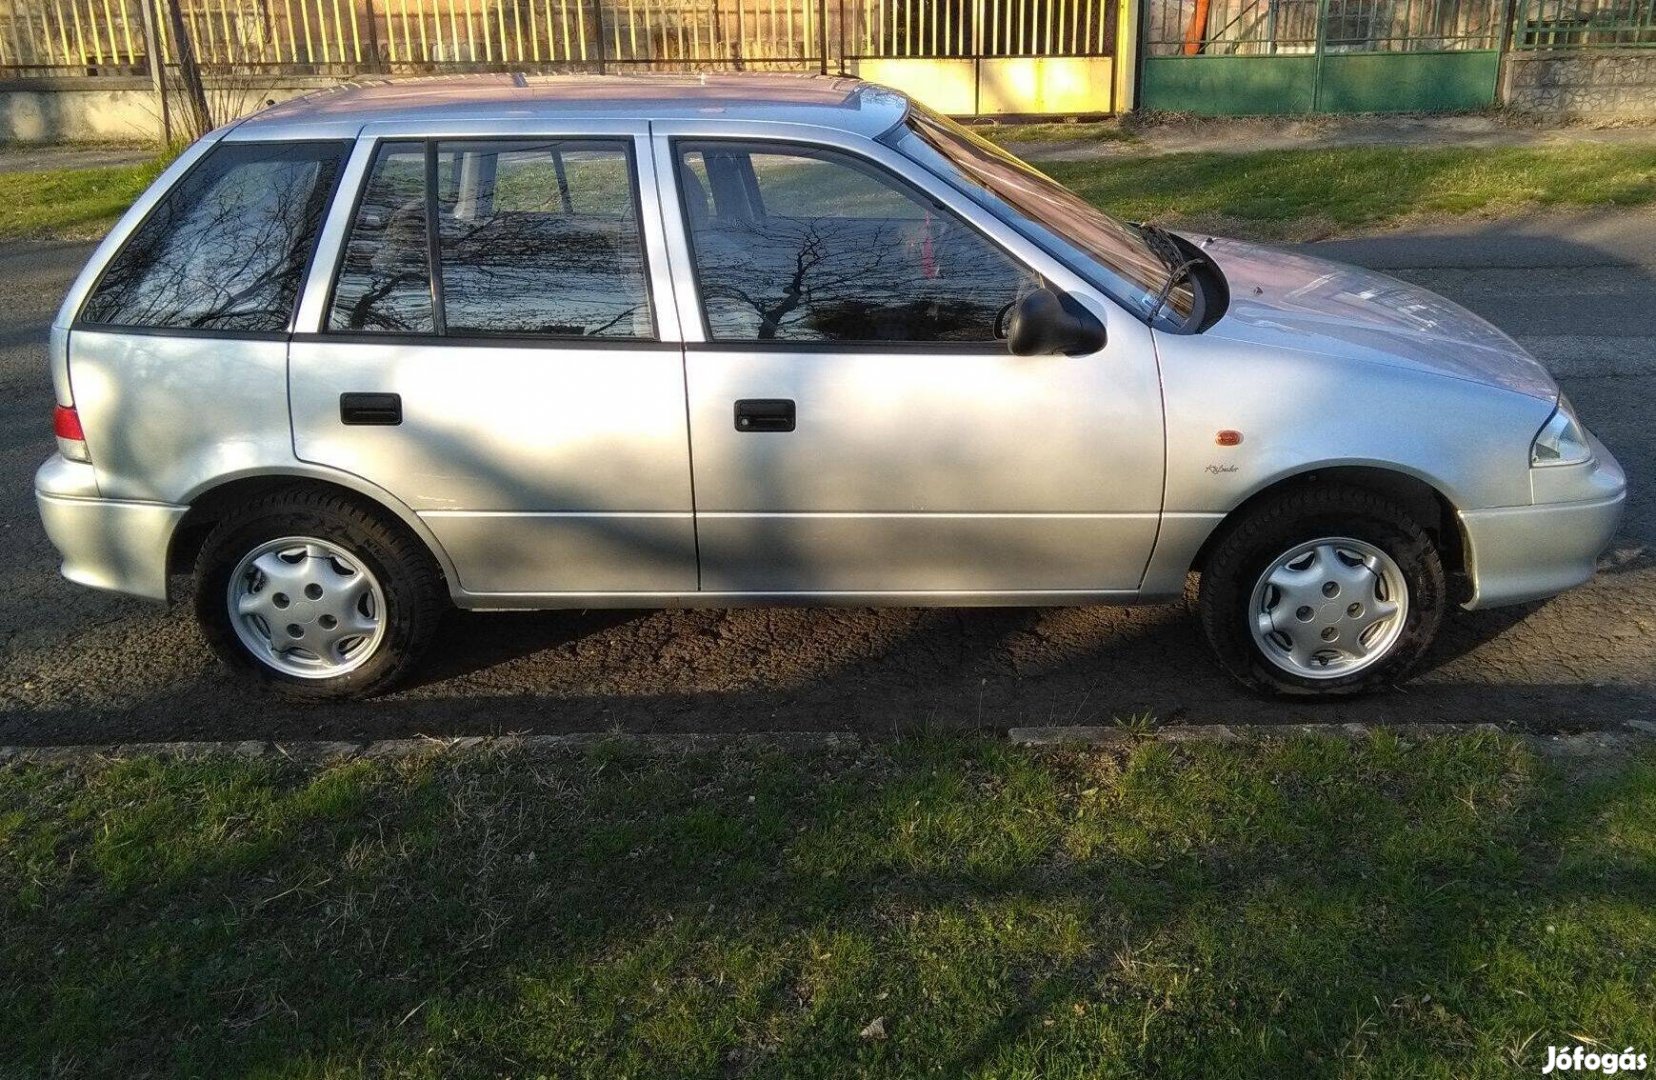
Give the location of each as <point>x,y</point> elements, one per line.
<point>385,274</point>
<point>538,238</point>
<point>226,248</point>
<point>804,244</point>
<point>541,238</point>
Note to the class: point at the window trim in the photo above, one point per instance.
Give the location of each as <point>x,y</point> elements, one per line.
<point>434,268</point>
<point>80,323</point>
<point>903,348</point>
<point>503,340</point>
<point>675,144</point>
<point>434,241</point>
<point>208,333</point>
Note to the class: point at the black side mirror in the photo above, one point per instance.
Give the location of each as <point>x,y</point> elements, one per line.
<point>1048,321</point>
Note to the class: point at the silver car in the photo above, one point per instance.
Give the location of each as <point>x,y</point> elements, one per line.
<point>508,342</point>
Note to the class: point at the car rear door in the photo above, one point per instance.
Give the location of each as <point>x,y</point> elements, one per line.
<point>856,427</point>
<point>485,340</point>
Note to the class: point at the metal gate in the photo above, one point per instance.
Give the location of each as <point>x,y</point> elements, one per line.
<point>1238,57</point>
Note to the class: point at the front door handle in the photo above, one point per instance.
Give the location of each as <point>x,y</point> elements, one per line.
<point>765,414</point>
<point>380,410</point>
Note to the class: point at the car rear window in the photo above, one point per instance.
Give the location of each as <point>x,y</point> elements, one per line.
<point>227,247</point>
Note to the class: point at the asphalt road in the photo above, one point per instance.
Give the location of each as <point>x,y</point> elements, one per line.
<point>82,667</point>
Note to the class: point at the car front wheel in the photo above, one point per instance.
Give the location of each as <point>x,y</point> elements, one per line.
<point>1328,591</point>
<point>317,595</point>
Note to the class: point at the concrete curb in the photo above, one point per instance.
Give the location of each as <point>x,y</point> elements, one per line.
<point>1227,733</point>
<point>333,751</point>
<point>1559,744</point>
<point>330,751</point>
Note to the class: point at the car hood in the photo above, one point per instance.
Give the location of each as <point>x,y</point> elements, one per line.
<point>1285,300</point>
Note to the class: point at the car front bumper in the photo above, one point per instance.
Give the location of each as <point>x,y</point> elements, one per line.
<point>1515,554</point>
<point>105,543</point>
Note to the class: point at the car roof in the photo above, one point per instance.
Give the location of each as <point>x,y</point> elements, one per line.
<point>820,100</point>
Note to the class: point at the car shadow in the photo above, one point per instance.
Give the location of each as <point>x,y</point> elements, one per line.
<point>473,641</point>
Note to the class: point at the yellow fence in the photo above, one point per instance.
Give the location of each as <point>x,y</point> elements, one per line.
<point>393,36</point>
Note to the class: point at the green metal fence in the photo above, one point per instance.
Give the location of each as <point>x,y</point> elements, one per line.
<point>1296,56</point>
<point>1591,24</point>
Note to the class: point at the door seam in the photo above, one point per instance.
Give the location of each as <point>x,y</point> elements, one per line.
<point>684,352</point>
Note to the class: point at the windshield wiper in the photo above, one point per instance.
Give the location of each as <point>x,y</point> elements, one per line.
<point>1161,242</point>
<point>1173,257</point>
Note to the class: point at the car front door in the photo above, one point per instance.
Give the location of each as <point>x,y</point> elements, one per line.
<point>490,348</point>
<point>857,426</point>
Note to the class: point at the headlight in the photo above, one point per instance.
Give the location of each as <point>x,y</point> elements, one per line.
<point>1562,441</point>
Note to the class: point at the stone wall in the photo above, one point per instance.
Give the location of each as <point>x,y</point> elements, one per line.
<point>1602,84</point>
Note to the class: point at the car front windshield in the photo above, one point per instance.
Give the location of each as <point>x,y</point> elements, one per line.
<point>1049,213</point>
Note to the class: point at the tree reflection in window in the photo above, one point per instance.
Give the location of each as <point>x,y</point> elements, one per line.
<point>541,238</point>
<point>385,276</point>
<point>227,247</point>
<point>813,245</point>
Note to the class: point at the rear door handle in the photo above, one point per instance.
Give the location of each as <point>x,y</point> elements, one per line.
<point>379,410</point>
<point>765,414</point>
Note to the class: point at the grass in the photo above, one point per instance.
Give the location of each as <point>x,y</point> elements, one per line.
<point>1287,908</point>
<point>70,204</point>
<point>1302,194</point>
<point>1279,194</point>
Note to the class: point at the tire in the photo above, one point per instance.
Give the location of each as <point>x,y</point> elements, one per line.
<point>369,631</point>
<point>1369,650</point>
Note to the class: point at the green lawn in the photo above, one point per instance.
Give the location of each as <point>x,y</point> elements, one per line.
<point>1288,908</point>
<point>1279,194</point>
<point>1302,194</point>
<point>71,204</point>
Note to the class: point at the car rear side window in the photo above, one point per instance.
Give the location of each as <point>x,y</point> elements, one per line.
<point>540,238</point>
<point>533,238</point>
<point>801,244</point>
<point>227,247</point>
<point>385,275</point>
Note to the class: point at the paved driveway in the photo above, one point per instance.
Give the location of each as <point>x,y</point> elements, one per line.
<point>77,666</point>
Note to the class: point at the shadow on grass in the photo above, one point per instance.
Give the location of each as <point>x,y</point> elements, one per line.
<point>1371,909</point>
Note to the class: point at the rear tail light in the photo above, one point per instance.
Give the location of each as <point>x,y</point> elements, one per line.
<point>71,439</point>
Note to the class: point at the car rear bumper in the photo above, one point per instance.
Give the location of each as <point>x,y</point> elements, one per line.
<point>1515,554</point>
<point>105,543</point>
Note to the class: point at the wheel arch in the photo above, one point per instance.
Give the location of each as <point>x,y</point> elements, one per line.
<point>1423,499</point>
<point>212,502</point>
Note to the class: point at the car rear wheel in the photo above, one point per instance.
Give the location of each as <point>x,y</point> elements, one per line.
<point>1327,591</point>
<point>317,595</point>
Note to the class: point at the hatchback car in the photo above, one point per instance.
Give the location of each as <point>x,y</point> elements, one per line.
<point>509,342</point>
